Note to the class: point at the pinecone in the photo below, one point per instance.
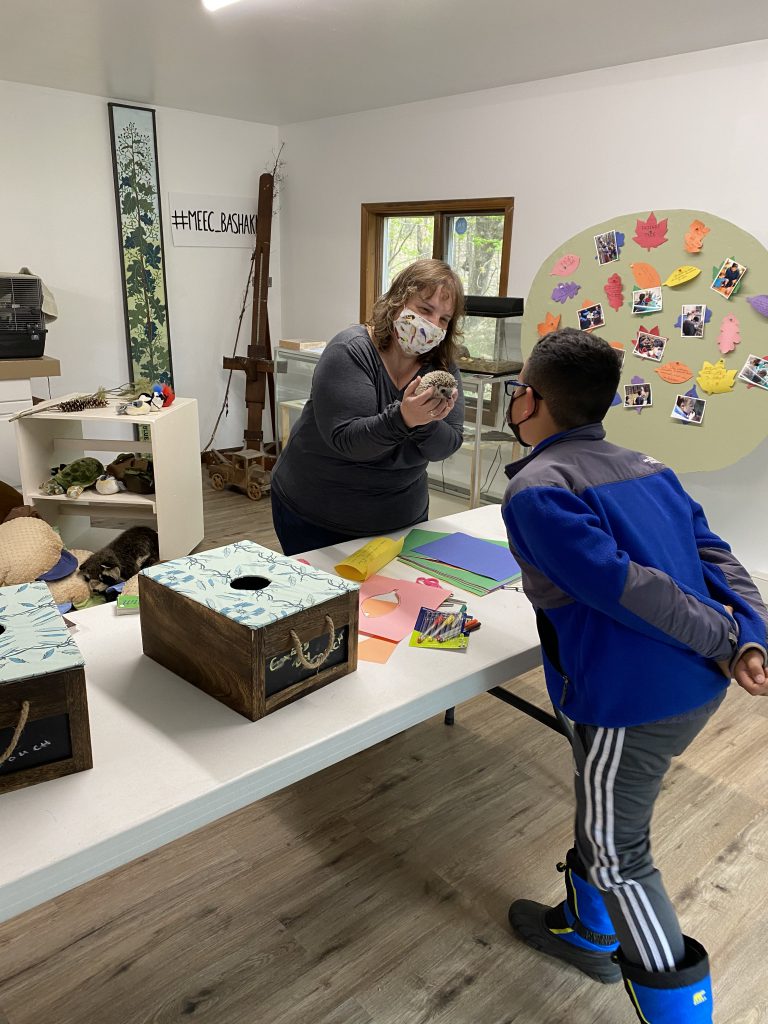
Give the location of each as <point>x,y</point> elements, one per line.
<point>81,403</point>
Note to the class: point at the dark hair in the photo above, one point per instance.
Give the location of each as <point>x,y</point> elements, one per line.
<point>423,277</point>
<point>576,373</point>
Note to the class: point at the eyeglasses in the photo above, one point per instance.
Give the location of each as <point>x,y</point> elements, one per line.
<point>511,386</point>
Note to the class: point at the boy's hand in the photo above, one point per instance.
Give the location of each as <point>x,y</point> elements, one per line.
<point>749,673</point>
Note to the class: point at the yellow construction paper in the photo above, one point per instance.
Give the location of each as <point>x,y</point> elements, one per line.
<point>714,378</point>
<point>367,560</point>
<point>681,275</point>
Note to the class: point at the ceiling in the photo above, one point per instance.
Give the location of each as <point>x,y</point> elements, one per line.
<point>281,61</point>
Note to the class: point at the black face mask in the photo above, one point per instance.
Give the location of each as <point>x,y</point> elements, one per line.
<point>515,427</point>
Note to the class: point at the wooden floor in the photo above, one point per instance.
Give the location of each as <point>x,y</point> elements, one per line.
<point>376,891</point>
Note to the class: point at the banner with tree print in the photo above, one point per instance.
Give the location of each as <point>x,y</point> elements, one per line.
<point>137,195</point>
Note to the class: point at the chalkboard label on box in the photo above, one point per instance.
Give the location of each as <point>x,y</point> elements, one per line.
<point>285,669</point>
<point>42,741</point>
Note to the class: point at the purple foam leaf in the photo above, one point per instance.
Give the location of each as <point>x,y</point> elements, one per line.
<point>564,291</point>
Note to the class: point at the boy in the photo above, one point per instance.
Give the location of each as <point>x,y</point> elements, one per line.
<point>633,623</point>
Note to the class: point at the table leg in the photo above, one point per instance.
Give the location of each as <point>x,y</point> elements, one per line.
<point>285,427</point>
<point>474,482</point>
<point>449,716</point>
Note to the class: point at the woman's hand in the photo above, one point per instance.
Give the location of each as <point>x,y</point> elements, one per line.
<point>418,410</point>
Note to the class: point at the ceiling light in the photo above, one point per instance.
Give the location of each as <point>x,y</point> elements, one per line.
<point>214,5</point>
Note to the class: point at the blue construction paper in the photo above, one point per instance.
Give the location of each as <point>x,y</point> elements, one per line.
<point>471,553</point>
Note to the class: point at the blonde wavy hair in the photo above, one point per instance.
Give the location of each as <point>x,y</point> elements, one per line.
<point>423,277</point>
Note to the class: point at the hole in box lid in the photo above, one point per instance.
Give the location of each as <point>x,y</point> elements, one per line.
<point>2,628</point>
<point>250,583</point>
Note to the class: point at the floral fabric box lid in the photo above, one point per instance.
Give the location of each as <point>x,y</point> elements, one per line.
<point>33,638</point>
<point>249,583</point>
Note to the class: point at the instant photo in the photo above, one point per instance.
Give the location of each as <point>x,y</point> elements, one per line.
<point>755,371</point>
<point>692,319</point>
<point>649,346</point>
<point>607,247</point>
<point>591,317</point>
<point>646,300</point>
<point>637,396</point>
<point>688,409</point>
<point>727,277</point>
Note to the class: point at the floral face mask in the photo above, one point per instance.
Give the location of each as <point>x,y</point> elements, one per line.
<point>416,334</point>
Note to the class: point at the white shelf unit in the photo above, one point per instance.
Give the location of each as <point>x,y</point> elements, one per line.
<point>50,437</point>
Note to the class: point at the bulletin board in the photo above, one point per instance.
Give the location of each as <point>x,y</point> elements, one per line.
<point>703,368</point>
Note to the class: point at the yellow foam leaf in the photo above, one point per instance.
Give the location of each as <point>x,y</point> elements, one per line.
<point>714,378</point>
<point>681,275</point>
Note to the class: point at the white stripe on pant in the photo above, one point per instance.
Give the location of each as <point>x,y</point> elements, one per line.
<point>618,777</point>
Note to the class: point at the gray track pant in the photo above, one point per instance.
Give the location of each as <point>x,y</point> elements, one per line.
<point>618,777</point>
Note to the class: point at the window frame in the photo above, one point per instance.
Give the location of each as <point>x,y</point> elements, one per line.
<point>373,216</point>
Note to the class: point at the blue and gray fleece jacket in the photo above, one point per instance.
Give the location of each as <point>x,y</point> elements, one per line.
<point>627,580</point>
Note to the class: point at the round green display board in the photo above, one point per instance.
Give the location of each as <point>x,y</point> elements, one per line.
<point>733,421</point>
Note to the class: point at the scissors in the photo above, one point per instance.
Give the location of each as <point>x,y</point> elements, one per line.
<point>428,581</point>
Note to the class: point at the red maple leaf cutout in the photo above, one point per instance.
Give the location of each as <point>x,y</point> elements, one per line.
<point>650,233</point>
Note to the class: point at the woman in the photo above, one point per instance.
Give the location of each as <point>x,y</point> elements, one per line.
<point>356,464</point>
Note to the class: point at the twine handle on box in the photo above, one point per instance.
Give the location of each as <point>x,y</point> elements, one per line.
<point>16,732</point>
<point>317,661</point>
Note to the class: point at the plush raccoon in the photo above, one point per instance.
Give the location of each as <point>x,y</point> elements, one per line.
<point>121,559</point>
<point>443,382</point>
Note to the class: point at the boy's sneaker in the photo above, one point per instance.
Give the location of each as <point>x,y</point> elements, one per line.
<point>548,930</point>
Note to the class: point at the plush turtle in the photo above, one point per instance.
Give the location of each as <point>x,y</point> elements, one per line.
<point>443,382</point>
<point>75,477</point>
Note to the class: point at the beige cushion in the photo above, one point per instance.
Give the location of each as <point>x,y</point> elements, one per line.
<point>28,548</point>
<point>72,588</point>
<point>80,554</point>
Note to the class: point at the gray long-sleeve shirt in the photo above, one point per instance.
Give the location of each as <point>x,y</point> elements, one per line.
<point>352,464</point>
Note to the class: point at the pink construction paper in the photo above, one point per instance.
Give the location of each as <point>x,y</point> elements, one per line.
<point>399,622</point>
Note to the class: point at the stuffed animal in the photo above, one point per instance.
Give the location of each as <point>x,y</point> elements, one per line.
<point>28,549</point>
<point>107,484</point>
<point>165,393</point>
<point>72,589</point>
<point>443,382</point>
<point>140,406</point>
<point>75,477</point>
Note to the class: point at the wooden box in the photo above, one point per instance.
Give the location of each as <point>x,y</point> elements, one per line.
<point>44,730</point>
<point>252,628</point>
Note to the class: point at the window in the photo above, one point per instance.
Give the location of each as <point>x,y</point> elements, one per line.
<point>472,235</point>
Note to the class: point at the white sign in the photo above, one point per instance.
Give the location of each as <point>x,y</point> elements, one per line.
<point>212,220</point>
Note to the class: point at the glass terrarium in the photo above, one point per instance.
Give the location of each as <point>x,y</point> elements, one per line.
<point>491,342</point>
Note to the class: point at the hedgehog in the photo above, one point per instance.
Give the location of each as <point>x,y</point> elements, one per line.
<point>443,382</point>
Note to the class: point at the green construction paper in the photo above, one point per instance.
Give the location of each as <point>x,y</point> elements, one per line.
<point>463,578</point>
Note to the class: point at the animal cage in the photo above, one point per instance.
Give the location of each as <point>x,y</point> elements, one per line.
<point>22,324</point>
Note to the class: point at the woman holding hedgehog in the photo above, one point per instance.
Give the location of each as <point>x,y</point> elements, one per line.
<point>356,462</point>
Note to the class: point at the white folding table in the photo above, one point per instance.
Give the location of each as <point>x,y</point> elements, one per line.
<point>169,759</point>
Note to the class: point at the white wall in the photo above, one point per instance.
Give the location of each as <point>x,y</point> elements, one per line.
<point>57,216</point>
<point>686,131</point>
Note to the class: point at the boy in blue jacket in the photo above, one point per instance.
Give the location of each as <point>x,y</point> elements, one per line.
<point>644,615</point>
